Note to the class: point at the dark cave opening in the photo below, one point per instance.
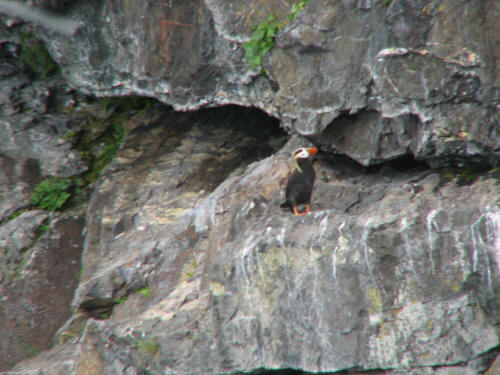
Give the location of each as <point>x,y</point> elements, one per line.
<point>268,136</point>
<point>238,136</point>
<point>401,164</point>
<point>346,167</point>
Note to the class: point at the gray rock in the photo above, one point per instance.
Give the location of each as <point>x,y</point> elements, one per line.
<point>401,276</point>
<point>32,147</point>
<point>415,59</point>
<point>39,252</point>
<point>17,236</point>
<point>40,263</point>
<point>190,264</point>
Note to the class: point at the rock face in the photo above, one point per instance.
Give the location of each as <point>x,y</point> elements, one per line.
<point>394,269</point>
<point>40,263</point>
<point>189,264</point>
<point>416,78</point>
<point>39,252</point>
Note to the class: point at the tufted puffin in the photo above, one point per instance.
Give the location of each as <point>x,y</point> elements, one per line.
<point>299,187</point>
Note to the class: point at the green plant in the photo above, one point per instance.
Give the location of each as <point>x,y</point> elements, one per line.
<point>42,229</point>
<point>16,214</point>
<point>105,315</point>
<point>126,103</point>
<point>262,39</point>
<point>121,300</point>
<point>296,9</point>
<point>469,175</point>
<point>69,135</point>
<point>145,292</point>
<point>99,147</point>
<point>34,56</point>
<point>98,141</point>
<point>51,194</point>
<point>191,268</point>
<point>111,144</point>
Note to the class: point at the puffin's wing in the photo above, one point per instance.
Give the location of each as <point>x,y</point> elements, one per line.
<point>287,203</point>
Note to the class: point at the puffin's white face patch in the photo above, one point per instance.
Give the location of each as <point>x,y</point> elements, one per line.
<point>301,153</point>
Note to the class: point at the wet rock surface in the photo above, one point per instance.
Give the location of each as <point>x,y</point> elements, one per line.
<point>189,264</point>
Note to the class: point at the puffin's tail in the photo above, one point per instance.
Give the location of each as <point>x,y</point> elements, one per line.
<point>285,206</point>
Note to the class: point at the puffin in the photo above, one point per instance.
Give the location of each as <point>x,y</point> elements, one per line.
<point>300,183</point>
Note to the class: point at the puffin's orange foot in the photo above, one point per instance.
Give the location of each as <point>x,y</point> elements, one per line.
<point>306,211</point>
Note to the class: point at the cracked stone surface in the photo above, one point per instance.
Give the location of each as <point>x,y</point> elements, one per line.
<point>394,269</point>
<point>425,73</point>
<point>189,264</point>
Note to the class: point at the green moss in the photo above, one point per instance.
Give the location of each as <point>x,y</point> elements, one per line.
<point>463,176</point>
<point>101,139</point>
<point>121,300</point>
<point>98,140</point>
<point>16,214</point>
<point>145,292</point>
<point>262,39</point>
<point>42,229</point>
<point>51,194</point>
<point>191,268</point>
<point>110,143</point>
<point>30,349</point>
<point>149,347</point>
<point>449,176</point>
<point>469,175</point>
<point>105,316</point>
<point>127,103</point>
<point>69,135</point>
<point>34,56</point>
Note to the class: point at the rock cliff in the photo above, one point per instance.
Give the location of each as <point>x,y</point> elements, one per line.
<point>189,265</point>
<point>416,78</point>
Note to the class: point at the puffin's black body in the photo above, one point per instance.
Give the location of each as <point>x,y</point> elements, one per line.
<point>300,184</point>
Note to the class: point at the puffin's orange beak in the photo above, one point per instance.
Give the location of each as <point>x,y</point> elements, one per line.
<point>312,150</point>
